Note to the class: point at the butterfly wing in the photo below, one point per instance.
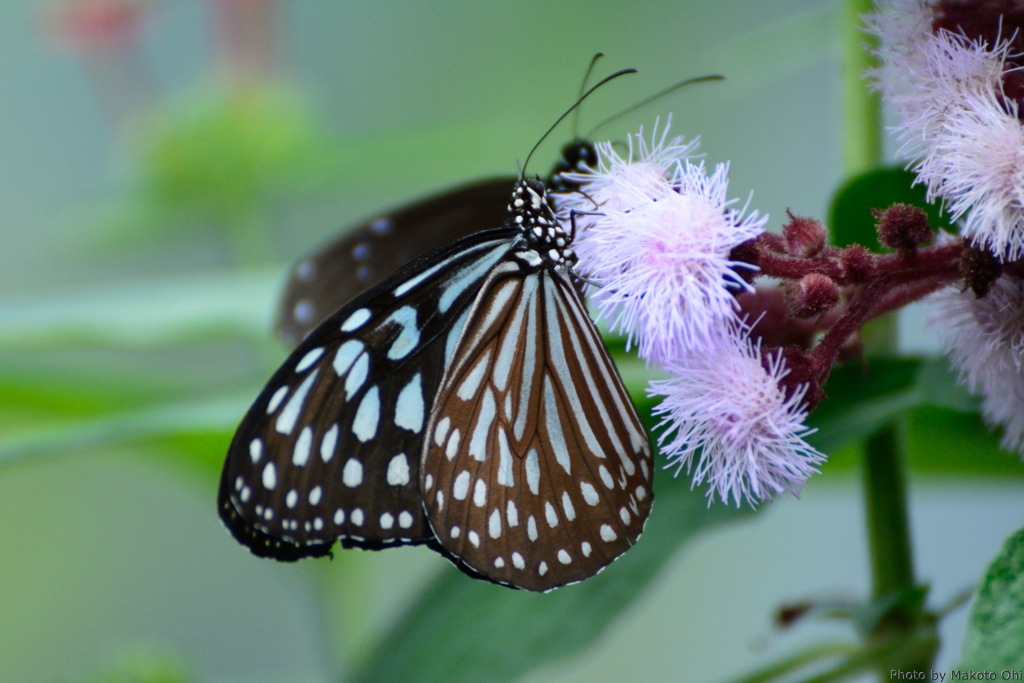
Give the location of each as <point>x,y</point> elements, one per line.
<point>331,447</point>
<point>536,469</point>
<point>335,273</point>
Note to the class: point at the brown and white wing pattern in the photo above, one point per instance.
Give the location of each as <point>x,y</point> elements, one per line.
<point>331,447</point>
<point>536,468</point>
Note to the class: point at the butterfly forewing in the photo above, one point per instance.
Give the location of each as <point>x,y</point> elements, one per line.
<point>536,468</point>
<point>331,448</point>
<point>335,273</point>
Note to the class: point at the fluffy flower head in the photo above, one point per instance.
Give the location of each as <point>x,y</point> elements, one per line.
<point>985,339</point>
<point>618,182</point>
<point>662,263</point>
<point>724,409</point>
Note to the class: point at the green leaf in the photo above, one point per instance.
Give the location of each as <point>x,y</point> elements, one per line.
<point>861,398</point>
<point>465,630</point>
<point>995,632</point>
<point>850,219</point>
<point>943,441</point>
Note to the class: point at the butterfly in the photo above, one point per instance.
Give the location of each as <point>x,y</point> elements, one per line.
<point>465,402</point>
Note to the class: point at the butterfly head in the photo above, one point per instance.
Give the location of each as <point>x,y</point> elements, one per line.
<point>530,211</point>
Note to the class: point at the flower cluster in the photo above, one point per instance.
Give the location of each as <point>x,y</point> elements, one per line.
<point>656,237</point>
<point>959,117</point>
<point>952,73</point>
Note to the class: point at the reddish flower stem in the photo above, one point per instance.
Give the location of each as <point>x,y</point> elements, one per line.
<point>875,284</point>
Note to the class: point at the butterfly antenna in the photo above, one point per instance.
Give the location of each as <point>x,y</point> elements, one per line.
<point>583,86</point>
<point>652,98</point>
<point>569,111</point>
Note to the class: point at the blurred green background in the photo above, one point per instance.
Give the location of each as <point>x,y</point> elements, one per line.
<point>162,166</point>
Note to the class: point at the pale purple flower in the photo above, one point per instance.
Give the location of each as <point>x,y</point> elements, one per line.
<point>659,249</point>
<point>618,183</point>
<point>729,422</point>
<point>985,340</point>
<point>962,135</point>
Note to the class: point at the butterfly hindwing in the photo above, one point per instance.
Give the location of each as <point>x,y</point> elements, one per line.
<point>331,447</point>
<point>537,467</point>
<point>337,272</point>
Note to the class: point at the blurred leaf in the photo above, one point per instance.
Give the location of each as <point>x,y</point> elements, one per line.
<point>943,441</point>
<point>850,219</point>
<point>940,387</point>
<point>944,432</point>
<point>155,311</point>
<point>861,398</point>
<point>225,148</point>
<point>191,417</point>
<point>144,666</point>
<point>466,630</point>
<point>995,633</point>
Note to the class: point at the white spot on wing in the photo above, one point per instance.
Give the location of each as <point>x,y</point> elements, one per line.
<point>624,514</point>
<point>589,493</point>
<point>357,517</point>
<point>364,426</point>
<point>339,516</point>
<point>315,495</point>
<point>292,499</point>
<point>453,445</point>
<point>531,528</point>
<point>387,521</point>
<point>398,470</point>
<point>563,557</point>
<point>347,353</point>
<point>543,568</point>
<point>303,445</point>
<point>478,442</point>
<point>480,493</point>
<point>570,511</point>
<point>286,420</point>
<point>607,534</point>
<point>409,337</point>
<point>255,450</point>
<point>512,514</point>
<point>329,443</point>
<point>494,524</point>
<point>472,273</point>
<point>585,547</point>
<point>554,425</point>
<point>358,375</point>
<point>505,460</point>
<point>533,472</point>
<point>469,386</point>
<point>606,477</point>
<point>405,519</point>
<point>550,514</point>
<point>461,488</point>
<point>355,321</point>
<point>474,538</point>
<point>276,399</point>
<point>270,476</point>
<point>307,361</point>
<point>409,408</point>
<point>517,561</point>
<point>352,473</point>
<point>442,430</point>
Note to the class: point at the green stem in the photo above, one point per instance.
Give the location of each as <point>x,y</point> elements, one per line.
<point>862,108</point>
<point>885,487</point>
<point>892,565</point>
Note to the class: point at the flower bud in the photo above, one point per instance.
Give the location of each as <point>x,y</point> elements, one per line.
<point>805,237</point>
<point>813,295</point>
<point>856,261</point>
<point>903,226</point>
